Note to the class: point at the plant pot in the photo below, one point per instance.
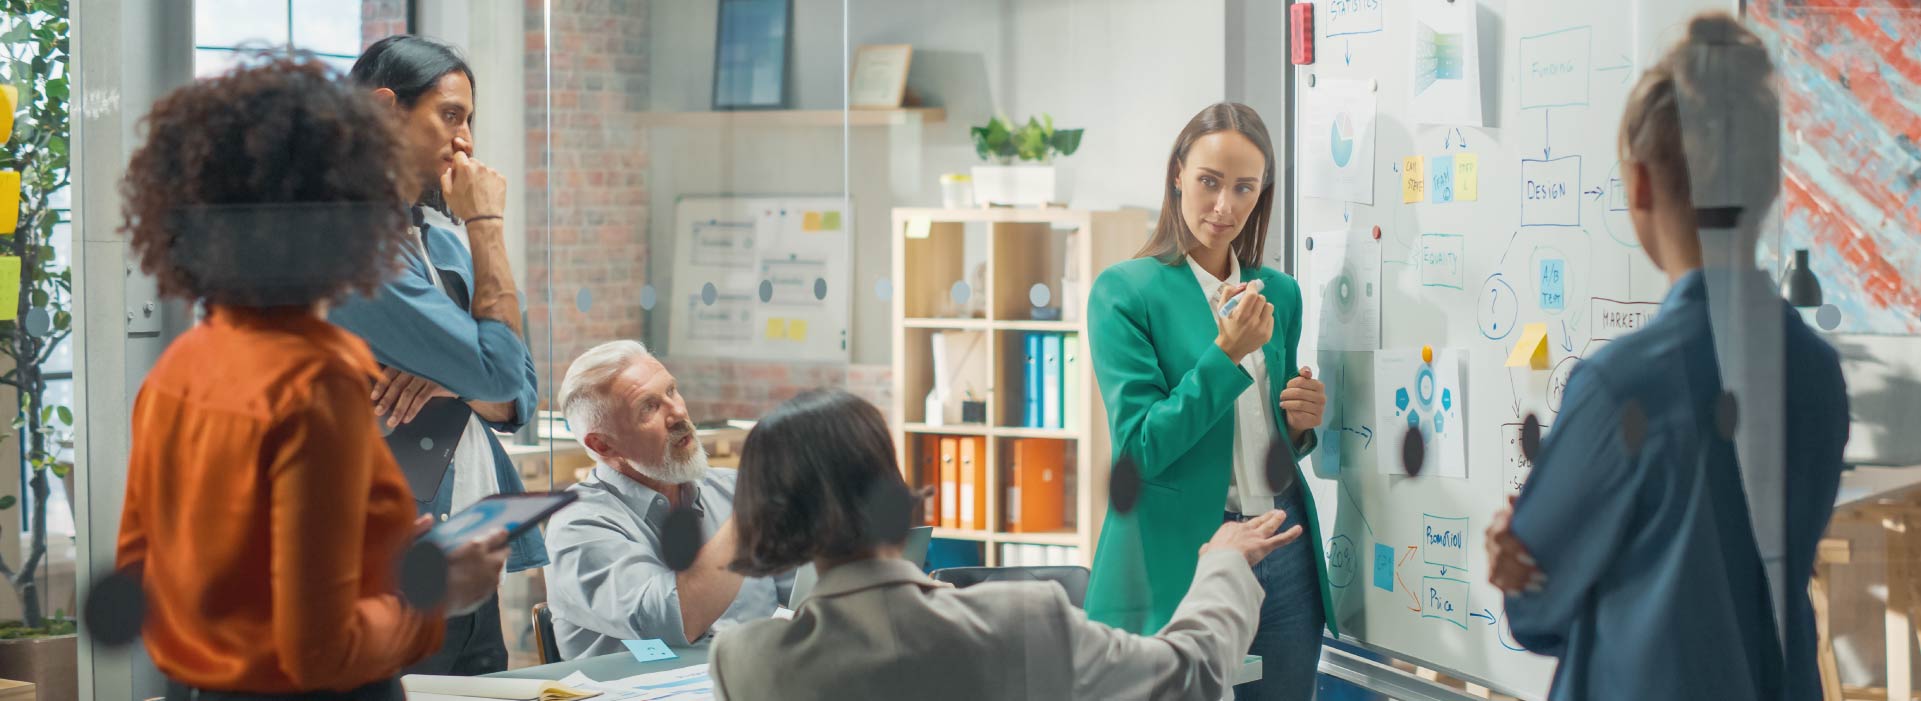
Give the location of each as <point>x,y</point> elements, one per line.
<point>1020,186</point>
<point>52,664</point>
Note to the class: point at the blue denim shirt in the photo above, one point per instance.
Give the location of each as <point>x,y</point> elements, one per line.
<point>415,327</point>
<point>1655,587</point>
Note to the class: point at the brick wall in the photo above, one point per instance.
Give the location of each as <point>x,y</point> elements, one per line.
<point>380,19</point>
<point>587,258</point>
<point>734,389</point>
<point>594,235</point>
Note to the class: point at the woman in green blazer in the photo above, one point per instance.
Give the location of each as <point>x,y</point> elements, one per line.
<point>1195,402</point>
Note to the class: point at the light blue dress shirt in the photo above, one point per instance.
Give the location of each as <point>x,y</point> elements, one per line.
<point>609,582</point>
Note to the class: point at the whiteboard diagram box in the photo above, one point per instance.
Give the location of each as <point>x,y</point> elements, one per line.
<point>724,244</point>
<point>792,280</point>
<point>1551,191</point>
<point>1554,68</point>
<point>1442,258</point>
<point>1444,540</point>
<point>1339,18</point>
<point>1444,598</point>
<point>728,320</point>
<point>1515,464</point>
<point>1613,319</point>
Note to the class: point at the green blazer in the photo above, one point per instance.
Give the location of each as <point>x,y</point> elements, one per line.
<point>1170,394</point>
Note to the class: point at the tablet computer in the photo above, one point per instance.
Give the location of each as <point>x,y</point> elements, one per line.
<point>513,512</point>
<point>424,447</point>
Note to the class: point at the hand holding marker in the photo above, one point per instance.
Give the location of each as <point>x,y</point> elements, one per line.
<point>1253,288</point>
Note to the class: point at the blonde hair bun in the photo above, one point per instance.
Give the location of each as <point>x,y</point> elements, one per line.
<point>1717,28</point>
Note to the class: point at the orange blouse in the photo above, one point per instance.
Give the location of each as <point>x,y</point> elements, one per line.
<point>267,512</point>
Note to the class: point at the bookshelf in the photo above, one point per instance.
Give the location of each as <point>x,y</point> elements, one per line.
<point>935,249</point>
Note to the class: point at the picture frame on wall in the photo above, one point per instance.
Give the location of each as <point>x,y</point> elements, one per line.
<point>879,79</point>
<point>752,42</point>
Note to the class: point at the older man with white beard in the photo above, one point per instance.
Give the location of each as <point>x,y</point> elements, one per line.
<point>610,580</point>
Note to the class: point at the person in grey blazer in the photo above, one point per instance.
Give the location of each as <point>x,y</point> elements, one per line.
<point>819,482</point>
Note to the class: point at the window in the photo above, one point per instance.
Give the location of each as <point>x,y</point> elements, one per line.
<point>334,30</point>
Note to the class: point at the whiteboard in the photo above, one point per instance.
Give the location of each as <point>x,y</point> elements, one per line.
<point>761,278</point>
<point>1546,240</point>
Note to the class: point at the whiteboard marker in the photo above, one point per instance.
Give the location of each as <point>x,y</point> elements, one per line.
<point>1252,288</point>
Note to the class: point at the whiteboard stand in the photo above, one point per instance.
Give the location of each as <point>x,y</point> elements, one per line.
<point>1386,679</point>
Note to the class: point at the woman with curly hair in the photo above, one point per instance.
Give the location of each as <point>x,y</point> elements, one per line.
<point>263,511</point>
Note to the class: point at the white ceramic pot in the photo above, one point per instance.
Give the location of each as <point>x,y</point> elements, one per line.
<point>1020,186</point>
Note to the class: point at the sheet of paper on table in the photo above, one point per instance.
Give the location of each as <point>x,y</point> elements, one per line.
<point>685,684</point>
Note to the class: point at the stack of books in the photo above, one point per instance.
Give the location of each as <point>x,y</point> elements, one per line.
<point>1025,555</point>
<point>1053,380</point>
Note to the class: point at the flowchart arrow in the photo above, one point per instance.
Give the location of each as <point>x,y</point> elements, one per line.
<point>1349,55</point>
<point>1513,395</point>
<point>1547,136</point>
<point>1596,192</point>
<point>1485,613</point>
<point>1623,67</point>
<point>1567,339</point>
<point>1399,567</point>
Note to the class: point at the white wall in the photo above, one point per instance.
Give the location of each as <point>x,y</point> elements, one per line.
<point>1129,71</point>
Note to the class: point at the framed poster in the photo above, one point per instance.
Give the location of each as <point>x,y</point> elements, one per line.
<point>880,76</point>
<point>750,54</point>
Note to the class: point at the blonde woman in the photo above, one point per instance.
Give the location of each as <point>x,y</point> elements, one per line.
<point>1630,554</point>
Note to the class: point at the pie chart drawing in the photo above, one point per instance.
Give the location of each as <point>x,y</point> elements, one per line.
<point>1342,140</point>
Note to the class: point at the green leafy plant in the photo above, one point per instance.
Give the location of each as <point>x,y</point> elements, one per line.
<point>34,60</point>
<point>1037,140</point>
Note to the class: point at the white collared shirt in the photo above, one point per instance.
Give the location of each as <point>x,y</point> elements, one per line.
<point>1247,488</point>
<point>473,462</point>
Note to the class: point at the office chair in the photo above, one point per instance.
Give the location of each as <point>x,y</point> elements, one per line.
<point>1071,579</point>
<point>544,634</point>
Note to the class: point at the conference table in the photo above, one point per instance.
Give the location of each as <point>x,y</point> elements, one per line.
<point>622,665</point>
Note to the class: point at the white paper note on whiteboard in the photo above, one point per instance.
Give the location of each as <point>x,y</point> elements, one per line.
<point>1344,271</point>
<point>1337,151</point>
<point>1411,394</point>
<point>1446,84</point>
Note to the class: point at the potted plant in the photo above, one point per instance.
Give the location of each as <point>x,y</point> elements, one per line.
<point>34,58</point>
<point>1036,142</point>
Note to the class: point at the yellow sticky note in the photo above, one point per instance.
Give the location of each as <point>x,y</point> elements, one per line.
<point>810,221</point>
<point>1531,350</point>
<point>776,329</point>
<point>797,330</point>
<point>830,221</point>
<point>1413,183</point>
<point>919,228</point>
<point>9,201</point>
<point>11,96</point>
<point>9,288</point>
<point>1467,176</point>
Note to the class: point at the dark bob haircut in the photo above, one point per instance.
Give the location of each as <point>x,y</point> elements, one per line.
<point>269,185</point>
<point>408,65</point>
<point>818,479</point>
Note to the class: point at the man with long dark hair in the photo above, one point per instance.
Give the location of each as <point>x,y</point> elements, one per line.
<point>432,333</point>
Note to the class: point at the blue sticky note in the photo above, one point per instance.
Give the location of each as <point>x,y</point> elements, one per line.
<point>1553,284</point>
<point>649,650</point>
<point>1383,566</point>
<point>1440,173</point>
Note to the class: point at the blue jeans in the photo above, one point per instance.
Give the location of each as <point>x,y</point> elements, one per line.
<point>1289,637</point>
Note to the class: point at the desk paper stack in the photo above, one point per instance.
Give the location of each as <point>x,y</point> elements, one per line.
<point>685,684</point>
<point>427,687</point>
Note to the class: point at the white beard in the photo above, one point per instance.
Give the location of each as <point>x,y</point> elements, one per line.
<point>681,471</point>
